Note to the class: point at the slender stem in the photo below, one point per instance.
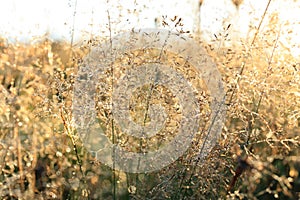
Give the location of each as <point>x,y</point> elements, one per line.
<point>112,104</point>
<point>252,43</point>
<point>260,23</point>
<point>73,30</point>
<point>19,152</point>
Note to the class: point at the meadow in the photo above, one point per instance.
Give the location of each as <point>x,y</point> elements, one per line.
<point>256,157</point>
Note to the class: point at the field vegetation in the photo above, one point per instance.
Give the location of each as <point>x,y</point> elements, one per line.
<point>257,156</point>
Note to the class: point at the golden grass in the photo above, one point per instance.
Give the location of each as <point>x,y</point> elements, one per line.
<point>42,156</point>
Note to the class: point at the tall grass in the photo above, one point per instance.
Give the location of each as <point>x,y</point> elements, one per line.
<point>42,157</point>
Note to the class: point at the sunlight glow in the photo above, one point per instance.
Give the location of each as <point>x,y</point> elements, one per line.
<point>24,20</point>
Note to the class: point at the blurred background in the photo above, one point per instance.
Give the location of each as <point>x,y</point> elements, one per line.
<point>63,19</point>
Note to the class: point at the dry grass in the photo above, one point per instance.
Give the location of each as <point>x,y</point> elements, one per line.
<point>41,156</point>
